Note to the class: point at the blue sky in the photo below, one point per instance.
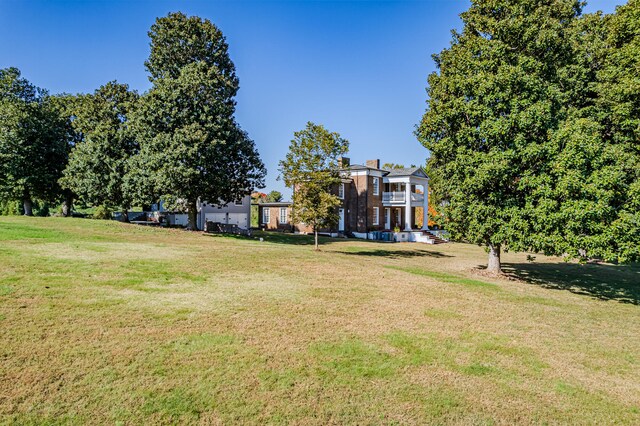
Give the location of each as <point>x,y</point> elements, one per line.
<point>358,67</point>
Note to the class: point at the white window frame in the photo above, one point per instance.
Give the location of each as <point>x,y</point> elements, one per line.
<point>376,216</point>
<point>398,216</point>
<point>266,215</point>
<point>387,214</point>
<point>341,191</point>
<point>283,210</point>
<point>376,186</point>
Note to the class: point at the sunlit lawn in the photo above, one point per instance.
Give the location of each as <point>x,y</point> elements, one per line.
<point>102,322</point>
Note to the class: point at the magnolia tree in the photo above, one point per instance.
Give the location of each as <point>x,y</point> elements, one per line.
<point>191,147</point>
<point>311,168</point>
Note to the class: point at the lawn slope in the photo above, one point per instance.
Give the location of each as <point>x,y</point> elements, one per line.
<point>106,323</point>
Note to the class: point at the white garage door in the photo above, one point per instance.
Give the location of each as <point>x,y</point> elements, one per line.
<point>240,219</point>
<point>215,217</point>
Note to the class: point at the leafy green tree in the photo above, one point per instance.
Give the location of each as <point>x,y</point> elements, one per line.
<point>274,197</point>
<point>311,168</point>
<point>493,105</point>
<point>98,165</point>
<point>594,209</point>
<point>33,142</point>
<point>392,166</point>
<point>64,104</point>
<point>191,147</point>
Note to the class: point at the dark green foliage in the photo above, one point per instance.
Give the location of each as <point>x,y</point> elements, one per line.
<point>274,197</point>
<point>33,142</point>
<point>311,168</point>
<point>99,163</point>
<point>525,147</point>
<point>190,145</point>
<point>102,212</point>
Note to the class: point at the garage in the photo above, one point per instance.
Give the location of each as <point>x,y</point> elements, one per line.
<point>240,219</point>
<point>216,217</point>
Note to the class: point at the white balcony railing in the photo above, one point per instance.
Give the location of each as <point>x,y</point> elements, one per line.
<point>417,197</point>
<point>393,197</point>
<point>399,197</point>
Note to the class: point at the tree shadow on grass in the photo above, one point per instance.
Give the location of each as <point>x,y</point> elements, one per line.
<point>395,254</point>
<point>279,238</point>
<point>605,282</point>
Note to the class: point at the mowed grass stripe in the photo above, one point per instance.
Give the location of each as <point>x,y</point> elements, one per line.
<point>445,277</point>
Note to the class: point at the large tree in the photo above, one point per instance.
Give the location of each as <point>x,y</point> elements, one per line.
<point>493,105</point>
<point>312,169</point>
<point>33,142</point>
<point>65,104</point>
<point>191,147</point>
<point>99,163</point>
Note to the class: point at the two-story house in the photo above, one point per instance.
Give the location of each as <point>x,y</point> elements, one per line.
<point>373,199</point>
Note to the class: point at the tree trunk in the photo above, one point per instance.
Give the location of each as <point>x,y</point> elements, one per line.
<point>494,259</point>
<point>193,216</point>
<point>28,204</point>
<point>315,231</point>
<point>125,215</point>
<point>67,205</point>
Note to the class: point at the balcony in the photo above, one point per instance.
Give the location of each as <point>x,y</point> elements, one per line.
<point>393,197</point>
<point>400,197</point>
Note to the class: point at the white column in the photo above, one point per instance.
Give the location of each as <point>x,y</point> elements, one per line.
<point>425,208</point>
<point>407,206</point>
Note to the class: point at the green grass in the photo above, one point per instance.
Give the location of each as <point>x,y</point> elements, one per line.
<point>446,278</point>
<point>109,323</point>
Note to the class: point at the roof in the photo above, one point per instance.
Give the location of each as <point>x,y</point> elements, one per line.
<point>411,171</point>
<point>361,167</point>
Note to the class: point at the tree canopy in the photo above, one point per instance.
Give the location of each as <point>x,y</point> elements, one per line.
<point>33,142</point>
<point>273,197</point>
<point>99,163</point>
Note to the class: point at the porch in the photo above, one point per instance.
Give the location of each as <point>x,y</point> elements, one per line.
<point>405,196</point>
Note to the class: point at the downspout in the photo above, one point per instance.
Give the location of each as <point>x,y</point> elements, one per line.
<point>366,206</point>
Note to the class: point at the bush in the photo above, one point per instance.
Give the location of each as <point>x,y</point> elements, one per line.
<point>102,212</point>
<point>10,208</point>
<point>41,209</point>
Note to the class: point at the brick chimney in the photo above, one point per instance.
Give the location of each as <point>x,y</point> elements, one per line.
<point>344,162</point>
<point>374,164</point>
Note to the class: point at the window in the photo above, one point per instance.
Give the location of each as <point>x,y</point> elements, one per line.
<point>398,218</point>
<point>266,215</point>
<point>341,191</point>
<point>238,202</point>
<point>376,186</point>
<point>386,216</point>
<point>283,215</point>
<point>376,215</point>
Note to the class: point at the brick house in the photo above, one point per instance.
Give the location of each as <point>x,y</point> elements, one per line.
<point>373,199</point>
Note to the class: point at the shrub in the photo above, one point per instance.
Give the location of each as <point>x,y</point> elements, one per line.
<point>102,212</point>
<point>10,208</point>
<point>41,208</point>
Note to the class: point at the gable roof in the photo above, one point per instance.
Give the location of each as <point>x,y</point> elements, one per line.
<point>410,171</point>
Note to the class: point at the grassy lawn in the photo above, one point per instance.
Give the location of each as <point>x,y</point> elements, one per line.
<point>102,322</point>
